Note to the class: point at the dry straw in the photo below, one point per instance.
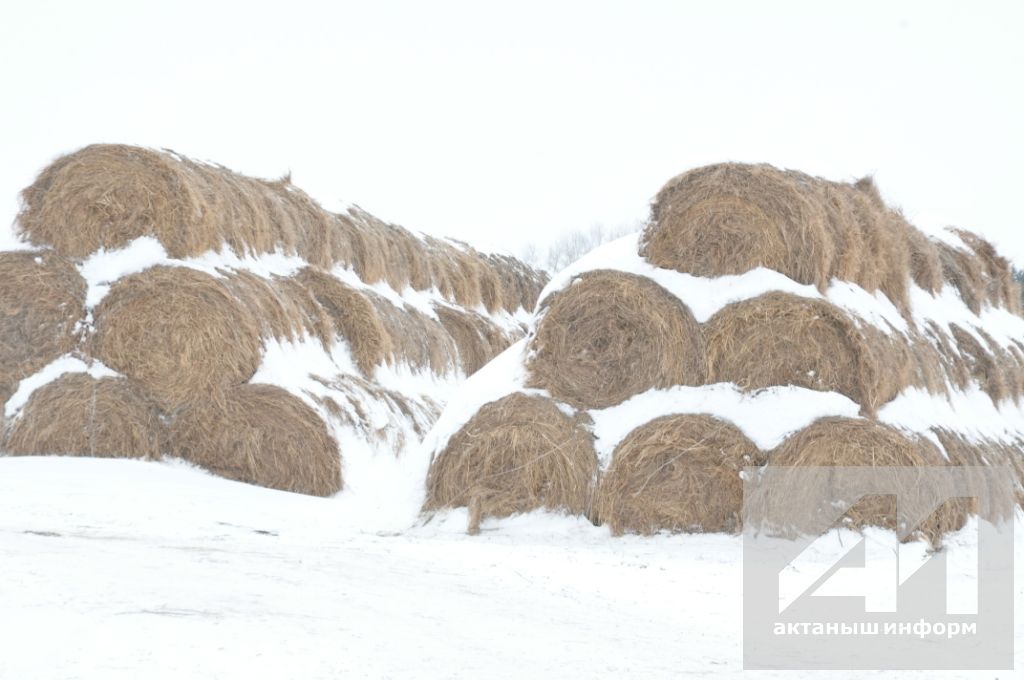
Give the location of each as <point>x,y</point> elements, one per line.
<point>731,218</point>
<point>517,454</point>
<point>611,335</point>
<point>477,338</point>
<point>677,473</point>
<point>78,415</point>
<point>961,451</point>
<point>260,434</point>
<point>42,298</point>
<point>847,442</point>
<point>104,196</point>
<point>785,339</point>
<point>181,333</point>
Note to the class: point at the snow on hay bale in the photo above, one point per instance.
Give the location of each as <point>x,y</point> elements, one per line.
<point>610,335</point>
<point>179,332</point>
<point>784,339</point>
<point>105,196</point>
<point>259,434</point>
<point>677,473</point>
<point>731,218</point>
<point>477,339</point>
<point>79,415</point>
<point>517,454</point>
<point>42,299</point>
<point>849,442</point>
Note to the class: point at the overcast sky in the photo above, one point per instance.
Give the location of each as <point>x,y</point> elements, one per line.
<point>506,123</point>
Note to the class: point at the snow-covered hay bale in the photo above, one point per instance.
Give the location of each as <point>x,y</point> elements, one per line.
<point>963,271</point>
<point>517,454</point>
<point>79,415</point>
<point>478,339</point>
<point>849,442</point>
<point>105,196</point>
<point>180,333</point>
<point>42,298</point>
<point>925,261</point>
<point>259,434</point>
<point>785,339</point>
<point>961,451</point>
<point>610,335</point>
<point>731,218</point>
<point>353,316</point>
<point>677,473</point>
<point>985,363</point>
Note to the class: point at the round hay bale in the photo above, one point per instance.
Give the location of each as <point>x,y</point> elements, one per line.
<point>263,435</point>
<point>78,415</point>
<point>179,332</point>
<point>42,299</point>
<point>731,218</point>
<point>478,339</point>
<point>276,314</point>
<point>611,335</point>
<point>677,473</point>
<point>848,442</point>
<point>784,339</point>
<point>106,195</point>
<point>517,454</point>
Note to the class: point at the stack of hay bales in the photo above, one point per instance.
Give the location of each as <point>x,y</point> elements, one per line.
<point>753,295</point>
<point>175,308</point>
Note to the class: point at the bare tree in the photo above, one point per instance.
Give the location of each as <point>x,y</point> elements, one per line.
<point>573,245</point>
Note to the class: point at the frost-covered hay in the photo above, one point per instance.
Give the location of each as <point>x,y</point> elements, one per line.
<point>677,473</point>
<point>263,435</point>
<point>849,442</point>
<point>79,415</point>
<point>610,335</point>
<point>731,218</point>
<point>517,454</point>
<point>477,338</point>
<point>42,298</point>
<point>179,332</point>
<point>784,339</point>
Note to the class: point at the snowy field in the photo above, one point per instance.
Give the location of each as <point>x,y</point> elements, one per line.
<point>125,569</point>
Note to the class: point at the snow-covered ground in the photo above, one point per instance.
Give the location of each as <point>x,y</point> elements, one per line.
<point>128,569</point>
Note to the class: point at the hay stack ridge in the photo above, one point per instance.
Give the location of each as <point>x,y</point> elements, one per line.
<point>106,195</point>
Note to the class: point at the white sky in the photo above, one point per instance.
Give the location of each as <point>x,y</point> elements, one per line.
<point>505,123</point>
